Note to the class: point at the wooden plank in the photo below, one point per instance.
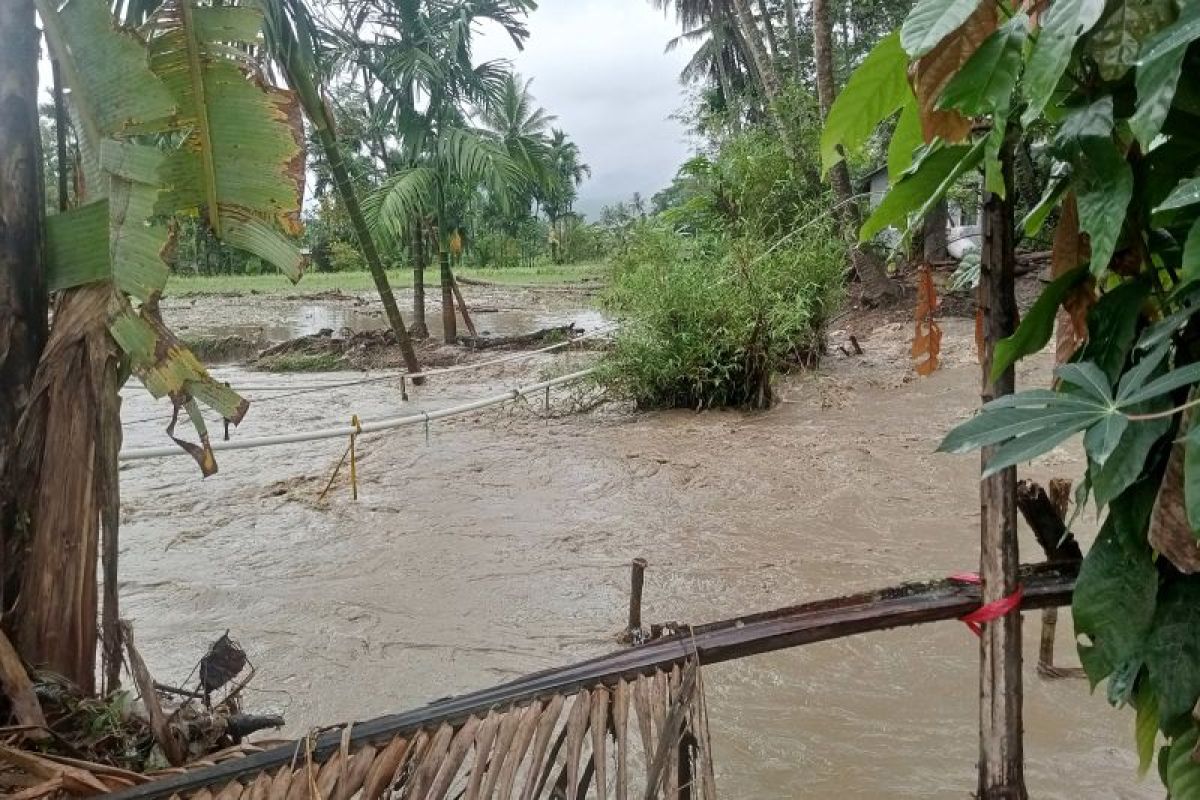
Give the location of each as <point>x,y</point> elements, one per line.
<point>1046,586</point>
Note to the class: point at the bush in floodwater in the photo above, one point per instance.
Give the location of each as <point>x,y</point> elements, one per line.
<point>706,320</point>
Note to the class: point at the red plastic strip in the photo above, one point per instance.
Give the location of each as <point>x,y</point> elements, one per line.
<point>988,612</point>
<point>993,611</point>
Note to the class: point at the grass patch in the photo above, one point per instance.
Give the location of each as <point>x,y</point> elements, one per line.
<point>356,282</point>
<point>302,362</point>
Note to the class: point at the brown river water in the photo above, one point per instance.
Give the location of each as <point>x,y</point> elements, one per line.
<point>498,544</point>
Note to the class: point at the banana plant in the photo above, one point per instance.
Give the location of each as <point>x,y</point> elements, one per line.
<point>175,119</point>
<point>171,126</point>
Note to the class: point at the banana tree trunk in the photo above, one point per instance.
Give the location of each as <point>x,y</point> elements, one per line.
<point>870,270</point>
<point>22,280</point>
<point>420,330</point>
<point>65,458</point>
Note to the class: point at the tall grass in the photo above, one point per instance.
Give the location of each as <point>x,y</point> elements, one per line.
<point>707,320</point>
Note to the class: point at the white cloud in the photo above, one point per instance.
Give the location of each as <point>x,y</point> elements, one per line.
<point>599,66</point>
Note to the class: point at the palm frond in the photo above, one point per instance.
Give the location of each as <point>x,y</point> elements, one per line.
<point>400,202</point>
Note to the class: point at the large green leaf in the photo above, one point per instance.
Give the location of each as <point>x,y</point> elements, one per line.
<point>1113,326</point>
<point>985,83</point>
<point>905,139</point>
<point>1182,771</point>
<point>1190,270</point>
<point>1062,25</point>
<point>926,183</point>
<point>1103,189</point>
<point>1126,465</point>
<point>1155,79</point>
<point>1184,31</point>
<point>1185,194</point>
<point>1113,605</point>
<point>930,21</point>
<point>244,137</point>
<point>106,67</point>
<point>1037,326</point>
<point>1173,648</point>
<point>1145,726</point>
<point>874,91</point>
<point>1115,45</point>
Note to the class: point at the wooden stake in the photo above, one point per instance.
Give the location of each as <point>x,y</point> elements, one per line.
<point>462,307</point>
<point>1001,756</point>
<point>637,578</point>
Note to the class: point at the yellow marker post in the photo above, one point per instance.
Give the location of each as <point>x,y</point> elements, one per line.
<point>353,457</point>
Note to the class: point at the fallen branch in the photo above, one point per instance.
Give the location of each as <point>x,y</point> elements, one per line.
<point>15,683</point>
<point>159,723</point>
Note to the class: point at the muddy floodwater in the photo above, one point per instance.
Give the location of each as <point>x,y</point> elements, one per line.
<point>497,544</point>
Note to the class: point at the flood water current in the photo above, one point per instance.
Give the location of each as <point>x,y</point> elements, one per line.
<point>497,544</point>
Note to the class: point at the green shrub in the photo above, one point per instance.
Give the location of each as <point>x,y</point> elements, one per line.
<point>708,319</point>
<point>345,257</point>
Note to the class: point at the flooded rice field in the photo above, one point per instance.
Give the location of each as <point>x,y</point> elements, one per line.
<point>493,545</point>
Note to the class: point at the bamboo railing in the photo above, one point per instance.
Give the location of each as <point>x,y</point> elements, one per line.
<point>500,739</point>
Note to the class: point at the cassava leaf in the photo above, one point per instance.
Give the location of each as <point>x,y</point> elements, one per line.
<point>1089,378</point>
<point>1184,376</point>
<point>931,21</point>
<point>985,83</point>
<point>1125,466</point>
<point>1000,425</point>
<point>1061,26</point>
<point>1026,448</point>
<point>1102,438</point>
<point>873,93</point>
<point>1173,648</point>
<point>1037,326</point>
<point>1136,378</point>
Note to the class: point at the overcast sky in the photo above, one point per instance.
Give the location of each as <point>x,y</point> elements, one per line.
<point>599,66</point>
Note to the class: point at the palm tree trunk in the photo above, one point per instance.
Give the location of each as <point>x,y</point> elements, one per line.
<point>22,281</point>
<point>772,42</point>
<point>763,65</point>
<point>419,330</point>
<point>870,270</point>
<point>789,10</point>
<point>449,320</point>
<point>345,188</point>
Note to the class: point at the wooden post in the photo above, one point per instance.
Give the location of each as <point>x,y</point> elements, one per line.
<point>462,307</point>
<point>1001,756</point>
<point>637,578</point>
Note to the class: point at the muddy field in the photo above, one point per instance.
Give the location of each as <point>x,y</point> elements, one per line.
<point>496,544</point>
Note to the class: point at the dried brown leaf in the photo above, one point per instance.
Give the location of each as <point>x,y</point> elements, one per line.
<point>927,337</point>
<point>929,74</point>
<point>1170,533</point>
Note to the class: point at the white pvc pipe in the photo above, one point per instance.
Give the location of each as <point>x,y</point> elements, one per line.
<point>142,454</point>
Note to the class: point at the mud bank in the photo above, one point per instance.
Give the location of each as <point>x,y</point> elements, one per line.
<point>498,544</point>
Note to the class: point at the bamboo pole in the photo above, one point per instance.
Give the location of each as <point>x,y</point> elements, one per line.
<point>1001,757</point>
